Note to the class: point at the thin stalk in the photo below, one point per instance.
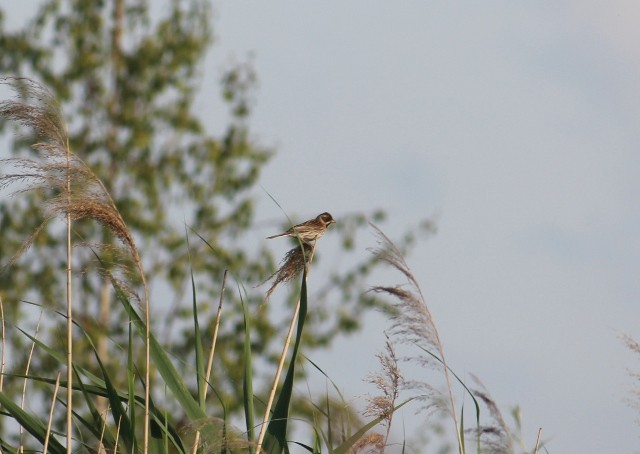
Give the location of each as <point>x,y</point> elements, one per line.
<point>413,322</point>
<point>69,309</point>
<point>147,352</point>
<point>287,342</point>
<point>451,399</point>
<point>101,448</point>
<point>53,404</point>
<point>117,434</point>
<point>535,451</point>
<point>447,376</point>
<point>2,355</point>
<point>213,349</point>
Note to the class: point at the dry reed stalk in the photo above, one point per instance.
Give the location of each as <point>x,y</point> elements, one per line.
<point>295,260</point>
<point>81,195</point>
<point>535,450</point>
<point>53,404</point>
<point>69,307</point>
<point>373,442</point>
<point>388,381</point>
<point>4,346</point>
<point>117,435</point>
<point>495,438</point>
<point>211,353</point>
<point>101,448</point>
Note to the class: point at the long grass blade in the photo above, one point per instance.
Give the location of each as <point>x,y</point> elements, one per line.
<point>276,439</point>
<point>158,417</point>
<point>24,385</point>
<point>345,447</point>
<point>164,365</point>
<point>462,383</point>
<point>97,423</point>
<point>200,373</point>
<point>30,423</point>
<point>117,409</point>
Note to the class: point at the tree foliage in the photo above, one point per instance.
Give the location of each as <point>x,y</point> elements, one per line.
<point>126,77</point>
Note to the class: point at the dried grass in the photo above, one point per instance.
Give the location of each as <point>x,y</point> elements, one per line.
<point>372,443</point>
<point>413,324</point>
<point>634,400</point>
<point>291,266</point>
<point>71,186</point>
<point>495,438</point>
<point>71,190</point>
<point>388,381</point>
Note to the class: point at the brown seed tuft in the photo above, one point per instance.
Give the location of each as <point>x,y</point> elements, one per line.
<point>293,263</point>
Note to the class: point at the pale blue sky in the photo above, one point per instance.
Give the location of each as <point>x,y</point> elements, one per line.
<point>515,122</point>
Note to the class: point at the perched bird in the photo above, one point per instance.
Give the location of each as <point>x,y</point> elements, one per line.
<point>309,230</point>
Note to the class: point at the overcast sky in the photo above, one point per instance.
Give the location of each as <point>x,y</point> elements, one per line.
<point>517,123</point>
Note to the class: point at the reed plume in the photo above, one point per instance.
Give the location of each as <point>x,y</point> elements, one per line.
<point>85,197</point>
<point>71,190</point>
<point>634,346</point>
<point>388,381</point>
<point>412,323</point>
<point>291,266</point>
<point>496,437</point>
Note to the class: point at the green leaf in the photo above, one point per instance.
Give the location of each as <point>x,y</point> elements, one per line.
<point>120,417</point>
<point>247,385</point>
<point>164,365</point>
<point>475,401</point>
<point>276,437</point>
<point>200,363</point>
<point>31,424</point>
<point>98,426</point>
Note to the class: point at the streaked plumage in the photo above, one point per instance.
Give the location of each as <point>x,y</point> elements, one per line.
<point>309,230</point>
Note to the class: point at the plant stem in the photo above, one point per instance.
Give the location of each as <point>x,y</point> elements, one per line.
<point>213,349</point>
<point>69,309</point>
<point>3,346</point>
<point>287,342</point>
<point>535,451</point>
<point>53,404</point>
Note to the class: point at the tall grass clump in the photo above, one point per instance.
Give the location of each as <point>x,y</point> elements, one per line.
<point>181,409</point>
<point>413,326</point>
<point>72,191</point>
<point>412,323</point>
<point>296,261</point>
<point>69,189</point>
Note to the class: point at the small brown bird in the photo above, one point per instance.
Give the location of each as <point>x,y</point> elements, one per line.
<point>309,230</point>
